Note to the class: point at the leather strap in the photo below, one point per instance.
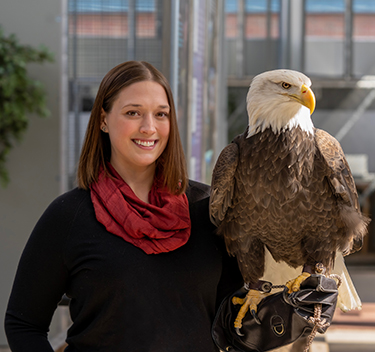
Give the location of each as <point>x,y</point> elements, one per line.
<point>261,285</point>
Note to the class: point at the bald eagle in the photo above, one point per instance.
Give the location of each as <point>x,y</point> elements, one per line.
<point>283,189</point>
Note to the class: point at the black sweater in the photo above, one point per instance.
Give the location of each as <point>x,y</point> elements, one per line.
<point>121,298</point>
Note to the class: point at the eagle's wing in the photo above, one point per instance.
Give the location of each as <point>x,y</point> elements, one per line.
<point>341,178</point>
<point>343,186</point>
<point>222,184</point>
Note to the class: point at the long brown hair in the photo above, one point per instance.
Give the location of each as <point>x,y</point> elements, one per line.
<point>96,149</point>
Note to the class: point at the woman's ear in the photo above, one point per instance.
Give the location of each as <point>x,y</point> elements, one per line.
<point>103,123</point>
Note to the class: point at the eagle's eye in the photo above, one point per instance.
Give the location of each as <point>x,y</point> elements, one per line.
<point>285,85</point>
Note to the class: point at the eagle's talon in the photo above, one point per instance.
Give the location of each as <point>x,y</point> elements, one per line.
<point>250,302</point>
<point>238,332</point>
<point>238,300</point>
<point>295,284</point>
<point>255,316</point>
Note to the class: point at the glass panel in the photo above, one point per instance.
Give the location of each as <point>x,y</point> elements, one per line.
<point>325,37</point>
<point>261,35</point>
<point>363,37</point>
<point>262,18</point>
<point>101,35</point>
<point>259,38</point>
<point>231,10</point>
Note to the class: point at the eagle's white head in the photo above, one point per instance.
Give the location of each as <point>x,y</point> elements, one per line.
<point>280,100</point>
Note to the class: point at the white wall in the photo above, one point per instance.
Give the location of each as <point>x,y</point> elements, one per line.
<point>33,164</point>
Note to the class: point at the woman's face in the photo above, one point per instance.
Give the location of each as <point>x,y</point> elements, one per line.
<point>138,126</point>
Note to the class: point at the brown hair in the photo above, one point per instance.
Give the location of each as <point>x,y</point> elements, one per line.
<point>96,149</point>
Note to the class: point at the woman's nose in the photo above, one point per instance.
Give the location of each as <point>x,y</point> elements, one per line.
<point>148,124</point>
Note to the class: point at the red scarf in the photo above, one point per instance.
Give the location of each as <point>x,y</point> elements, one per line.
<point>158,227</point>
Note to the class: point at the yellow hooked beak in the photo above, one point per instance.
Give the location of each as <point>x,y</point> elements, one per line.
<point>306,98</point>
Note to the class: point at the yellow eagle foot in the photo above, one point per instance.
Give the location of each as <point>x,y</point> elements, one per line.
<point>294,284</point>
<point>250,302</point>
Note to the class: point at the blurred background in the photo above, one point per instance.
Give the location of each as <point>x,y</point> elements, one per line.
<point>209,50</point>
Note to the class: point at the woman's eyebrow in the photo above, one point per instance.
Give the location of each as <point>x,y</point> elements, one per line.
<point>139,105</point>
<point>135,105</point>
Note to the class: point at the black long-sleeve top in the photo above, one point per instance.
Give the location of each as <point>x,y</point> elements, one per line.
<point>121,299</point>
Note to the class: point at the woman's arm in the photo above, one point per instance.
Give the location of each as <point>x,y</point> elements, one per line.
<point>40,281</point>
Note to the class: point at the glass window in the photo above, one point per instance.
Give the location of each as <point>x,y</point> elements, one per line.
<point>325,37</point>
<point>102,34</point>
<point>262,18</point>
<point>363,37</point>
<point>231,10</point>
<point>254,48</point>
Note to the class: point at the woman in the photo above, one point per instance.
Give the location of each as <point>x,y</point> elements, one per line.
<point>132,246</point>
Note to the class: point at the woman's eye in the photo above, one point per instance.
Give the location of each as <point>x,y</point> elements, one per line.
<point>286,85</point>
<point>162,114</point>
<point>132,113</point>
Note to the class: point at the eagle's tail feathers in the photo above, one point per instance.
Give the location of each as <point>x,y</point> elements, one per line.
<point>348,298</point>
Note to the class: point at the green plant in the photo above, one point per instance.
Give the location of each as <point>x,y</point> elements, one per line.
<point>19,93</point>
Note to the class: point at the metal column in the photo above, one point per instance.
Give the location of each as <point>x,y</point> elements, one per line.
<point>131,29</point>
<point>240,41</point>
<point>297,24</point>
<point>284,58</point>
<point>348,65</point>
<point>173,80</point>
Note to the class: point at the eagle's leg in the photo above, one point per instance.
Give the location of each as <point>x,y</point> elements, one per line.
<point>251,264</point>
<point>250,302</point>
<point>294,284</point>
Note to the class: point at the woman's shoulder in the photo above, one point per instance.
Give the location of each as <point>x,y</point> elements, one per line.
<point>69,202</point>
<point>54,225</point>
<point>197,191</point>
<point>75,195</point>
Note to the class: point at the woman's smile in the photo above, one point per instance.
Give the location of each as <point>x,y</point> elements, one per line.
<point>145,143</point>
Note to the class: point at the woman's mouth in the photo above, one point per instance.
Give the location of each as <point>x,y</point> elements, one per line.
<point>145,143</point>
